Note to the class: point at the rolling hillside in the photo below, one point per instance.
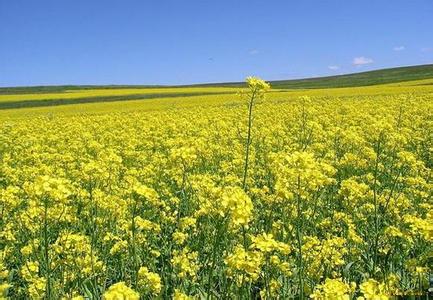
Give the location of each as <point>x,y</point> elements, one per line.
<point>37,96</point>
<point>383,76</point>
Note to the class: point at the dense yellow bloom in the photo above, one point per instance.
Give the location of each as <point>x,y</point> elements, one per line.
<point>393,231</point>
<point>146,225</point>
<point>73,253</point>
<point>150,194</point>
<point>244,265</point>
<point>354,191</point>
<point>272,291</point>
<point>151,281</point>
<point>238,205</point>
<point>266,243</point>
<point>74,296</point>
<point>4,273</point>
<point>178,295</point>
<point>120,291</point>
<point>373,290</point>
<point>333,289</point>
<point>147,193</point>
<point>185,264</point>
<point>300,173</point>
<point>30,270</point>
<point>3,290</point>
<point>37,288</point>
<point>423,226</point>
<point>323,254</point>
<point>52,187</point>
<point>179,237</point>
<point>119,247</point>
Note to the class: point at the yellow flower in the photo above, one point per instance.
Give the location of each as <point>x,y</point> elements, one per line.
<point>178,295</point>
<point>3,290</point>
<point>179,237</point>
<point>300,174</point>
<point>373,290</point>
<point>185,263</point>
<point>119,248</point>
<point>242,262</point>
<point>238,205</point>
<point>266,243</point>
<point>119,291</point>
<point>30,270</point>
<point>257,84</point>
<point>149,280</point>
<point>333,289</point>
<point>272,292</point>
<point>36,288</point>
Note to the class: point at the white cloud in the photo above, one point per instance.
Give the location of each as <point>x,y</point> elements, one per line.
<point>399,48</point>
<point>362,60</point>
<point>426,49</point>
<point>333,68</point>
<point>253,52</point>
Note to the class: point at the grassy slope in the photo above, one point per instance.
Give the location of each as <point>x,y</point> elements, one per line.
<point>384,76</point>
<point>21,97</point>
<point>11,101</point>
<point>204,101</point>
<point>66,101</point>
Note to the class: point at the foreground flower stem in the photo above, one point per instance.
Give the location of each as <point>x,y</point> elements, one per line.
<point>257,88</point>
<point>46,254</point>
<point>299,225</point>
<point>248,143</point>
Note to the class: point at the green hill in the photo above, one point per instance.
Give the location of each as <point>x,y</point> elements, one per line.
<point>383,76</point>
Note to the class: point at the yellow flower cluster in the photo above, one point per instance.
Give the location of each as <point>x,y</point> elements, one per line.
<point>258,84</point>
<point>185,263</point>
<point>119,291</point>
<point>333,289</point>
<point>237,205</point>
<point>299,174</point>
<point>373,290</point>
<point>4,274</point>
<point>244,265</point>
<point>149,280</point>
<point>266,244</point>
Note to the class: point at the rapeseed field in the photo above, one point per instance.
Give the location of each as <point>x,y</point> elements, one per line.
<point>270,194</point>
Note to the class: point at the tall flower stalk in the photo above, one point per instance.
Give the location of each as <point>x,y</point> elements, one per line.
<point>256,91</point>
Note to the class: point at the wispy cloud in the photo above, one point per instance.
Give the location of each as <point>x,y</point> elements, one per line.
<point>253,52</point>
<point>362,60</point>
<point>399,48</point>
<point>427,49</point>
<point>333,67</point>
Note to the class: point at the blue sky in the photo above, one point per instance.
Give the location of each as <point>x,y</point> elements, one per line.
<point>48,42</point>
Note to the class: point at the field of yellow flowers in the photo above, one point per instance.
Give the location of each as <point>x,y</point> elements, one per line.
<point>323,194</point>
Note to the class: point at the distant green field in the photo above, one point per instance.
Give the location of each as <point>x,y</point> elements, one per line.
<point>203,97</point>
<point>81,96</point>
<point>39,96</point>
<point>383,76</point>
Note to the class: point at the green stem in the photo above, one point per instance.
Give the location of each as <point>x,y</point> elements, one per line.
<point>46,254</point>
<point>376,216</point>
<point>94,208</point>
<point>247,150</point>
<point>134,250</point>
<point>214,254</point>
<point>299,240</point>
